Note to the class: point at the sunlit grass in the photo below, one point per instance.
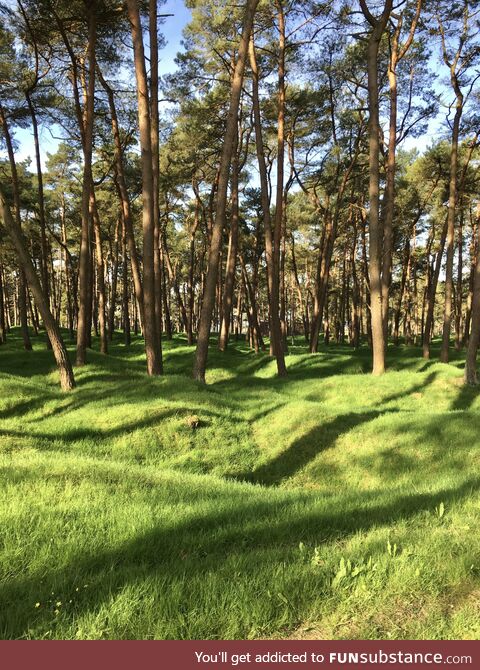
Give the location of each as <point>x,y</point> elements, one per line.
<point>330,504</point>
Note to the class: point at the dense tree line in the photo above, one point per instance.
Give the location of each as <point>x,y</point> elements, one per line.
<point>266,188</point>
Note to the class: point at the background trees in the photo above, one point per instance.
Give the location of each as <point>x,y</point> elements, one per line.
<point>274,175</point>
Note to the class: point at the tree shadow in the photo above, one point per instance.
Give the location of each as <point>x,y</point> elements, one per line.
<point>293,459</point>
<point>85,433</point>
<point>322,437</point>
<point>251,532</point>
<point>466,396</point>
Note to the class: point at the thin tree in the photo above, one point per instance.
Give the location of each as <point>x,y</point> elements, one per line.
<point>208,302</point>
<point>67,381</point>
<point>152,340</point>
<point>378,26</point>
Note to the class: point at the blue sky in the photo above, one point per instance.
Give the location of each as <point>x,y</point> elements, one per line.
<point>172,31</point>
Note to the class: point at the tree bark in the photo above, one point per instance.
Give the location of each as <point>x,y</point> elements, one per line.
<point>67,381</point>
<point>375,229</point>
<point>201,352</point>
<point>152,339</point>
<point>227,301</point>
<point>470,374</point>
<point>272,267</point>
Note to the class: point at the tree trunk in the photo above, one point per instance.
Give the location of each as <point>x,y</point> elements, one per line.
<point>470,375</point>
<point>125,291</point>
<point>3,324</point>
<point>67,381</point>
<point>219,224</point>
<point>272,267</point>
<point>375,228</point>
<point>124,198</point>
<point>152,339</point>
<point>450,241</point>
<point>227,301</point>
<point>113,287</point>
<point>101,293</point>
<point>22,288</point>
<point>427,332</point>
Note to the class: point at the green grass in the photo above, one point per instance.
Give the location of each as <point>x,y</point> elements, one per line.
<point>331,504</point>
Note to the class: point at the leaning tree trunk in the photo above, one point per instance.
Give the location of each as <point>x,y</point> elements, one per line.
<point>219,223</point>
<point>452,197</point>
<point>67,381</point>
<point>121,185</point>
<point>272,268</point>
<point>231,259</point>
<point>41,203</point>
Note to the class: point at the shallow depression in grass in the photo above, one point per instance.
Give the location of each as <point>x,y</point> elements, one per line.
<point>331,503</point>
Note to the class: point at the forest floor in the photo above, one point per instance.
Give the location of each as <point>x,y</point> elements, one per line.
<point>331,504</point>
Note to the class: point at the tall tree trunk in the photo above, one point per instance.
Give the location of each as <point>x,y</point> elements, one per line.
<point>459,296</point>
<point>252,311</point>
<point>470,375</point>
<point>124,198</point>
<point>113,288</point>
<point>125,291</point>
<point>154,130</point>
<point>165,298</point>
<point>85,266</point>
<point>397,53</point>
<point>427,331</point>
<point>375,228</point>
<point>450,241</point>
<point>227,301</point>
<point>272,267</point>
<point>101,292</point>
<point>174,283</point>
<point>22,284</point>
<point>41,204</point>
<point>201,353</point>
<point>152,339</point>
<point>471,279</point>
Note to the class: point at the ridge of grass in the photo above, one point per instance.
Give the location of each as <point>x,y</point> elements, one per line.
<point>331,501</point>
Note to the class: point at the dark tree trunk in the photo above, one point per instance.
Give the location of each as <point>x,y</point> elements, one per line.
<point>375,228</point>
<point>152,340</point>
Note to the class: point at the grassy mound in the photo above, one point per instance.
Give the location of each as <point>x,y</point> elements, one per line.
<point>330,504</point>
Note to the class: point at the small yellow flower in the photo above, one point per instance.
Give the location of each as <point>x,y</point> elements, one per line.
<point>58,603</point>
<point>37,604</point>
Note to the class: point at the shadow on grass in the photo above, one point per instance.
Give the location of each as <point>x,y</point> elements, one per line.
<point>466,397</point>
<point>240,525</point>
<point>304,450</point>
<point>322,437</point>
